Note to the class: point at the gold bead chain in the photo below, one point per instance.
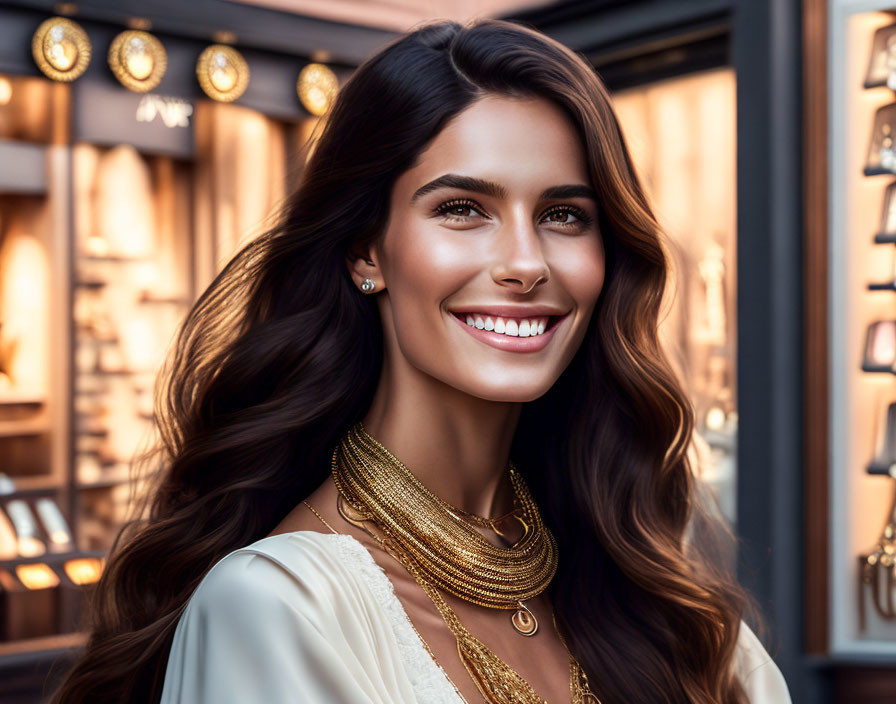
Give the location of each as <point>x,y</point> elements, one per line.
<point>438,546</point>
<point>452,554</point>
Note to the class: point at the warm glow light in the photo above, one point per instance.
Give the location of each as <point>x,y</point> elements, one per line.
<point>37,576</point>
<point>715,418</point>
<point>317,88</point>
<point>222,72</point>
<point>138,60</point>
<point>85,570</point>
<point>5,90</point>
<point>61,49</point>
<point>883,343</point>
<point>96,246</point>
<point>24,285</point>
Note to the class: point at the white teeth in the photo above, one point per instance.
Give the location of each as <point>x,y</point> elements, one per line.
<point>524,327</point>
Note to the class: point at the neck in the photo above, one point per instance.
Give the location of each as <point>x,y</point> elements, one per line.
<point>457,445</point>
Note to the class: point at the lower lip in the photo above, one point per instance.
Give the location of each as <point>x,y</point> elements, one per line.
<point>510,343</point>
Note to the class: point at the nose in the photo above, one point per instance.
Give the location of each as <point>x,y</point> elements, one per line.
<point>519,263</point>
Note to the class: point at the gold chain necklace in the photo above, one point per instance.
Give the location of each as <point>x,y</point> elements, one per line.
<point>453,555</point>
<point>372,482</point>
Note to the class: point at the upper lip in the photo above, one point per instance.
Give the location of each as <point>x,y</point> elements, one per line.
<point>507,311</point>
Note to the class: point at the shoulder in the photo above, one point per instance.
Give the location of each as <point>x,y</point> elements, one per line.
<point>276,572</point>
<point>278,621</point>
<point>757,670</point>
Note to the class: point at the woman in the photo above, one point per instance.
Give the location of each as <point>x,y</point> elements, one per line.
<point>421,444</point>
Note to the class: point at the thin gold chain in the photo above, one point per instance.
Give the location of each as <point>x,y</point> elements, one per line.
<point>422,641</point>
<point>319,516</point>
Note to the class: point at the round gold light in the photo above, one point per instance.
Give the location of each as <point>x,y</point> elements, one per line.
<point>317,87</point>
<point>61,49</point>
<point>138,60</point>
<point>222,72</point>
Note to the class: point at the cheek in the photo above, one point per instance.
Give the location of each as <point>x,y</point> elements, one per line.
<point>581,268</point>
<point>425,268</point>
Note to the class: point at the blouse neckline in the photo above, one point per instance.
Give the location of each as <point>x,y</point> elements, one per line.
<point>429,679</point>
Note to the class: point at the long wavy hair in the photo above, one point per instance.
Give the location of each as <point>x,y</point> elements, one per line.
<point>281,355</point>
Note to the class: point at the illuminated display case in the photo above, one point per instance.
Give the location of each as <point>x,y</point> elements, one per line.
<point>682,136</point>
<point>862,331</point>
<point>44,568</point>
<point>117,209</point>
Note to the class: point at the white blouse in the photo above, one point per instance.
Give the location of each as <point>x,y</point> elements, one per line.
<point>311,617</point>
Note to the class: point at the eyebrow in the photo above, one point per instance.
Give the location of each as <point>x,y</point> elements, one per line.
<point>496,190</point>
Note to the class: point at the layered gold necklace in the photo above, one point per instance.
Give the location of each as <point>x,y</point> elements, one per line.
<point>440,547</point>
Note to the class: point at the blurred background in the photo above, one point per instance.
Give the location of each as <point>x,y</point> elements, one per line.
<point>142,143</point>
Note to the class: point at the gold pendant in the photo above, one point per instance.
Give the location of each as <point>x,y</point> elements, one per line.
<point>350,513</point>
<point>524,621</point>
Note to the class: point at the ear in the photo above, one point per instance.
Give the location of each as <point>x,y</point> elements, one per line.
<point>363,263</point>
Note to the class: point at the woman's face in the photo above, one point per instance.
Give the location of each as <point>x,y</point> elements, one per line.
<point>495,225</point>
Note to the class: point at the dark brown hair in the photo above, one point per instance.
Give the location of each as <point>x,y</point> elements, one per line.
<point>281,355</point>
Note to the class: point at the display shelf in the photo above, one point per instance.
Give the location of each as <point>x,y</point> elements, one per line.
<point>19,428</point>
<point>34,486</point>
<point>35,348</point>
<point>22,399</point>
<point>861,260</point>
<point>62,641</point>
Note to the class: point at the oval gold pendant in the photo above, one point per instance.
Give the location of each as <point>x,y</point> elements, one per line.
<point>524,621</point>
<point>350,513</point>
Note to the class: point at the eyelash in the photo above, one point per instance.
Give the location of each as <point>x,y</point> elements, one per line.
<point>585,220</point>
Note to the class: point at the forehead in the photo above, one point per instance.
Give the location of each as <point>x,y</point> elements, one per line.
<point>522,143</point>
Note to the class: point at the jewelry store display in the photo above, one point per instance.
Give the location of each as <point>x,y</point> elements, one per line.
<point>882,63</point>
<point>877,568</point>
<point>880,347</point>
<point>882,150</point>
<point>439,546</point>
<point>27,536</point>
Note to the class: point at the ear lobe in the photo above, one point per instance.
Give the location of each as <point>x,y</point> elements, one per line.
<point>361,266</point>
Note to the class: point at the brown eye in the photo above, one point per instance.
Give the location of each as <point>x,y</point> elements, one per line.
<point>582,219</point>
<point>457,209</point>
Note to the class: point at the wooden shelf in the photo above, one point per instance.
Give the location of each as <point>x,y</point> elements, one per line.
<point>101,483</point>
<point>21,399</point>
<point>145,297</point>
<point>90,283</point>
<point>62,641</point>
<point>17,428</point>
<point>33,486</point>
<point>110,257</point>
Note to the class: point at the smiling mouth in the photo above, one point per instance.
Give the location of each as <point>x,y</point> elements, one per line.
<point>533,326</point>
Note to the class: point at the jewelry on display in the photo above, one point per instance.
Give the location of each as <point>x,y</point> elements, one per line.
<point>438,545</point>
<point>887,151</point>
<point>367,286</point>
<point>878,572</point>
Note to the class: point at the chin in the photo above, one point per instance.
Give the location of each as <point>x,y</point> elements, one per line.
<point>508,392</point>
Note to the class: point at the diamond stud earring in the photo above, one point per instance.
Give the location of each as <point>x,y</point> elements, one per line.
<point>367,286</point>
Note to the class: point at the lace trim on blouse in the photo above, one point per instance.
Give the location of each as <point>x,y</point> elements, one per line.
<point>429,680</point>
